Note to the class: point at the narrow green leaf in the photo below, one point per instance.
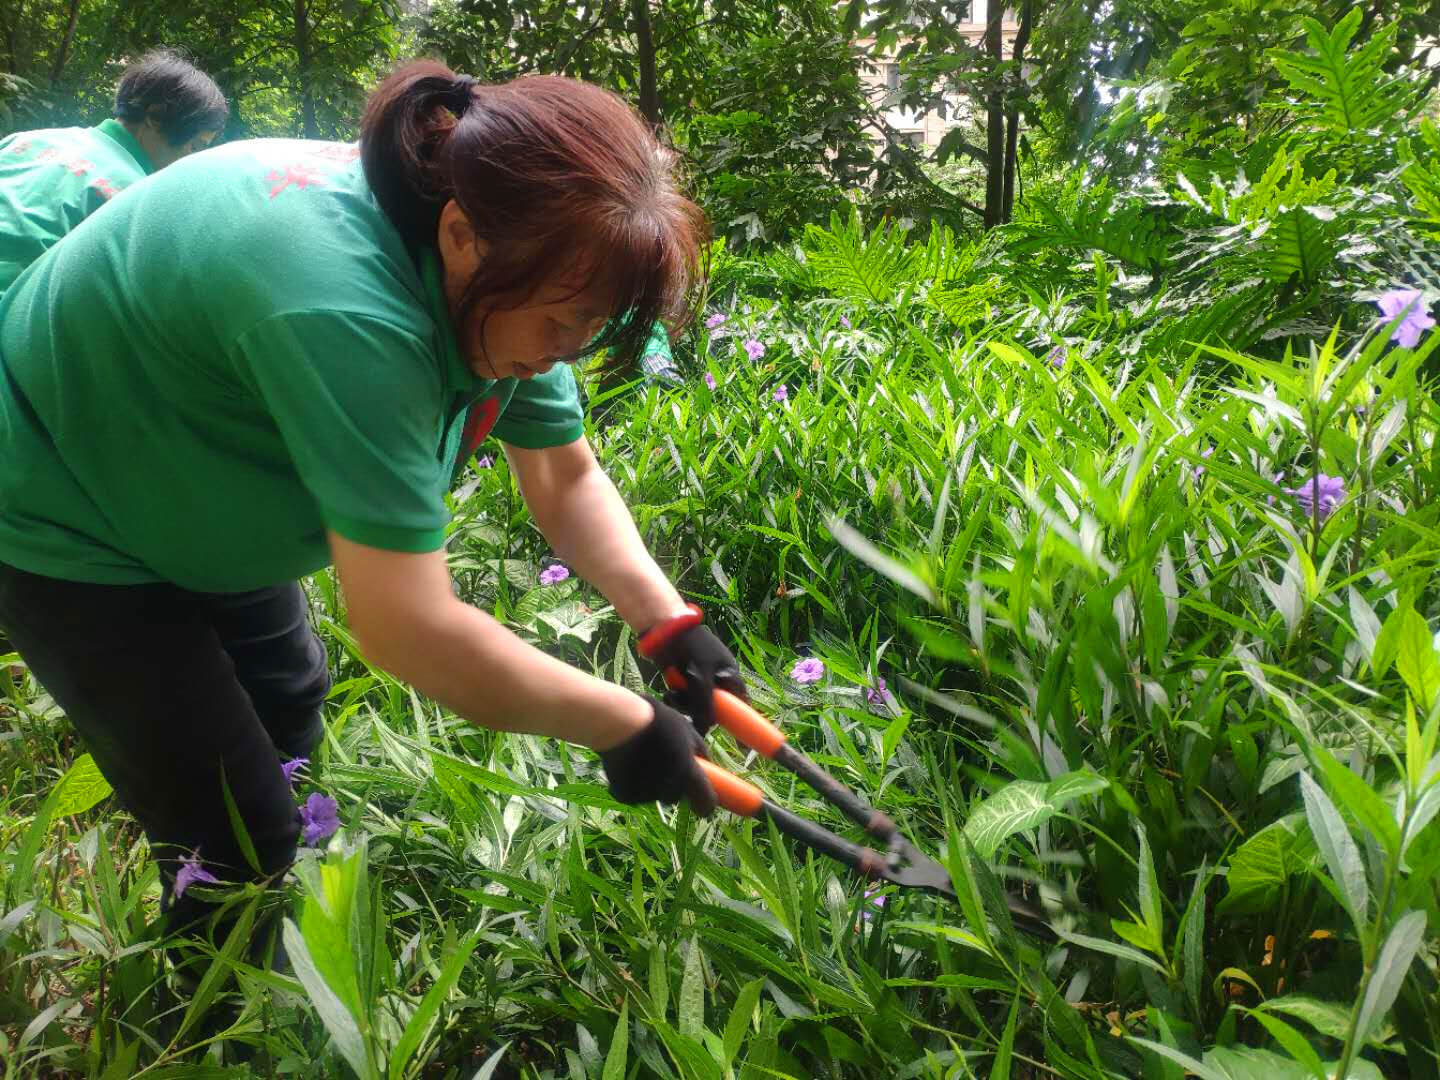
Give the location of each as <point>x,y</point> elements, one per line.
<point>691,1018</point>
<point>1198,1068</point>
<point>1342,857</point>
<point>1360,799</point>
<point>1294,1043</point>
<point>237,825</point>
<point>1391,968</point>
<point>740,1017</point>
<point>424,1015</point>
<point>617,1057</point>
<point>1111,948</point>
<point>1192,948</point>
<point>487,1070</point>
<point>1000,1067</point>
<point>1149,889</point>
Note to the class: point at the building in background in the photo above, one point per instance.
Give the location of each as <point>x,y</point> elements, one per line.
<point>924,130</point>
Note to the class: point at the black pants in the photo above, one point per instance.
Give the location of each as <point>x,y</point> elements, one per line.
<point>169,689</point>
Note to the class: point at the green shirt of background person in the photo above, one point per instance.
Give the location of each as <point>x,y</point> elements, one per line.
<point>259,362</point>
<point>53,179</point>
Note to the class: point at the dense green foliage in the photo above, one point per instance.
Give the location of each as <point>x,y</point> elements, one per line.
<point>1133,504</point>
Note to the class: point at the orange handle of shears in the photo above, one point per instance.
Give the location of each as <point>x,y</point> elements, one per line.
<point>738,718</point>
<point>734,794</point>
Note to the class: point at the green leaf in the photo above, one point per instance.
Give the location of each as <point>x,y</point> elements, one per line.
<point>1024,804</point>
<point>1341,855</point>
<point>1261,866</point>
<point>1391,968</point>
<point>1192,949</point>
<point>1294,1043</point>
<point>740,1017</point>
<point>237,826</point>
<point>424,1015</point>
<point>1150,890</point>
<point>691,1019</point>
<point>80,788</point>
<point>1357,796</point>
<point>1000,1067</point>
<point>1111,948</point>
<point>852,541</point>
<point>616,1058</point>
<point>1387,642</point>
<point>338,1021</point>
<point>1326,1017</point>
<point>1182,1059</point>
<point>1415,659</point>
<point>22,865</point>
<point>487,1070</point>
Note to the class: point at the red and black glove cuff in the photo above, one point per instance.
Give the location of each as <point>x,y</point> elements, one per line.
<point>702,661</point>
<point>653,642</point>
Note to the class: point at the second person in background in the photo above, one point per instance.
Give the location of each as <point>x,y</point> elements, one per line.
<point>53,179</point>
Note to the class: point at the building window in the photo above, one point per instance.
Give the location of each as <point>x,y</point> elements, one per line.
<point>892,76</point>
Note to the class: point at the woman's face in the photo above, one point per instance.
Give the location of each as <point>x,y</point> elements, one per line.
<point>161,150</point>
<point>519,342</point>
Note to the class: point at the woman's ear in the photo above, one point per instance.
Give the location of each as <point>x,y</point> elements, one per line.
<point>461,253</point>
<point>457,241</point>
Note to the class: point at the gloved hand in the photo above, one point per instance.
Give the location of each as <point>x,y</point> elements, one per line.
<point>657,763</point>
<point>684,642</point>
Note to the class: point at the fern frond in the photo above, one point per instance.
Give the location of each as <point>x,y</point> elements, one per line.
<point>1355,93</point>
<point>848,262</point>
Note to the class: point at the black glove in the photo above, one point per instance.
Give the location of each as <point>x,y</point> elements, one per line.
<point>657,764</point>
<point>685,644</point>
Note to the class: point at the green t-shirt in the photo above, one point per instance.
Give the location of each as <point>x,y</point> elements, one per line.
<point>52,180</point>
<point>210,372</point>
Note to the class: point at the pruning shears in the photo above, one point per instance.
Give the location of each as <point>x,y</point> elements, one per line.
<point>901,862</point>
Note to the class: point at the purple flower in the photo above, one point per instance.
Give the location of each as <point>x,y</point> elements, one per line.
<point>1326,491</point>
<point>485,461</point>
<point>319,818</point>
<point>289,768</point>
<point>845,322</point>
<point>877,900</point>
<point>754,349</point>
<point>1056,357</point>
<point>807,670</point>
<point>714,320</point>
<point>554,574</point>
<point>1200,469</point>
<point>1416,320</point>
<point>878,696</point>
<point>710,380</point>
<point>781,393</point>
<point>191,870</point>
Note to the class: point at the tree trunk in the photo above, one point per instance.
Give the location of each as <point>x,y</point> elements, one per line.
<point>12,35</point>
<point>1012,117</point>
<point>994,118</point>
<point>65,43</point>
<point>304,71</point>
<point>645,58</point>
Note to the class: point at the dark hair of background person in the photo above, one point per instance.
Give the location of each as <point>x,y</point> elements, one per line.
<point>180,98</point>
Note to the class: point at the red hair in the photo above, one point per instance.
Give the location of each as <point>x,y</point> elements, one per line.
<point>561,179</point>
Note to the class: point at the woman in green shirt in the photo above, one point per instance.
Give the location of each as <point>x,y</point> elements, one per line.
<point>51,180</point>
<point>260,362</point>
